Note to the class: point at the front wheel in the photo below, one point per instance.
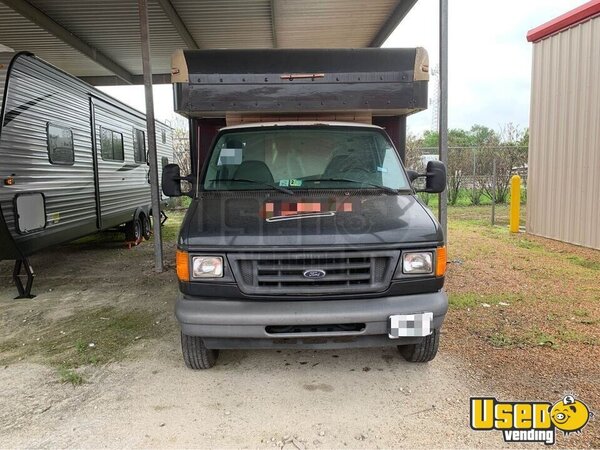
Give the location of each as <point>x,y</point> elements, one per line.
<point>424,351</point>
<point>195,353</point>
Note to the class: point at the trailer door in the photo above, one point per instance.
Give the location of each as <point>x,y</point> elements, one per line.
<point>122,180</point>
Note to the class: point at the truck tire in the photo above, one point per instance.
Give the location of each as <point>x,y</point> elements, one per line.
<point>195,353</point>
<point>424,351</point>
<point>133,230</point>
<point>146,227</point>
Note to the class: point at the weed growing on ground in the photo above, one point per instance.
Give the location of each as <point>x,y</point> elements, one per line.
<point>67,375</point>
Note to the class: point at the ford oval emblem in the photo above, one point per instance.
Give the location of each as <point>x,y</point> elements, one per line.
<point>314,273</point>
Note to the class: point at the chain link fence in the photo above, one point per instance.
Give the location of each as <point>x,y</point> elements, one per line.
<point>477,176</point>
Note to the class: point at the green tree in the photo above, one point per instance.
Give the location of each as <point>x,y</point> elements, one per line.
<point>457,137</point>
<point>483,136</point>
<point>430,139</point>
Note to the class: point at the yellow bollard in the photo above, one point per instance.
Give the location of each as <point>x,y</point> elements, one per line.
<point>515,203</point>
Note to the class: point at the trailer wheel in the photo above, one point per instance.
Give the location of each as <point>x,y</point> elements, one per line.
<point>195,353</point>
<point>424,351</point>
<point>146,227</point>
<point>133,230</point>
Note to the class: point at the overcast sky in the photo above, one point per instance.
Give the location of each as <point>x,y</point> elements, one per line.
<point>489,60</point>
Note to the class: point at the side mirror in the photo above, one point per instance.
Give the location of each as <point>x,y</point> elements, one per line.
<point>435,181</point>
<point>171,180</point>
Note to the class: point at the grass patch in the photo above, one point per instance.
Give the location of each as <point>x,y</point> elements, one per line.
<point>528,338</point>
<point>589,321</point>
<point>578,337</point>
<point>88,337</point>
<point>170,230</point>
<point>500,340</point>
<point>529,245</point>
<point>463,301</point>
<point>536,337</point>
<point>471,299</point>
<point>588,264</point>
<point>580,312</point>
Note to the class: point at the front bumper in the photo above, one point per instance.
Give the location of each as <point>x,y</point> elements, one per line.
<point>227,323</point>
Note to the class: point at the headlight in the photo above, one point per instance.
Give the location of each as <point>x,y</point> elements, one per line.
<point>207,267</point>
<point>417,263</point>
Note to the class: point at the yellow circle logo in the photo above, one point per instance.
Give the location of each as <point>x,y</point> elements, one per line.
<point>569,415</point>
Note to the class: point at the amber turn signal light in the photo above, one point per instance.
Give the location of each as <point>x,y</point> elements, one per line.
<point>9,181</point>
<point>440,266</point>
<point>182,261</point>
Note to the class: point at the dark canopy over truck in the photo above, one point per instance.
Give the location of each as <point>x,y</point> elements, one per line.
<point>384,82</point>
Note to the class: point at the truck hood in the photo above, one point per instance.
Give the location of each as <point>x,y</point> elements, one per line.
<point>261,219</point>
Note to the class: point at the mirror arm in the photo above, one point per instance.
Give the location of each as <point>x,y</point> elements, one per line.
<point>189,179</point>
<point>423,175</point>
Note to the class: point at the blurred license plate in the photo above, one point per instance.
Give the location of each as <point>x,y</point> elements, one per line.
<point>410,325</point>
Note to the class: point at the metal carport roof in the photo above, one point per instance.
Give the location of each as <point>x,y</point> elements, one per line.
<point>100,40</point>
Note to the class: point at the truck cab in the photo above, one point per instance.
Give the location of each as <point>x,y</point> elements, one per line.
<point>302,233</point>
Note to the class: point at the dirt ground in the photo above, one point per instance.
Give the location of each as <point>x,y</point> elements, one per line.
<point>94,359</point>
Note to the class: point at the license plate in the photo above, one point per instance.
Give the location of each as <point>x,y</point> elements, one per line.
<point>410,325</point>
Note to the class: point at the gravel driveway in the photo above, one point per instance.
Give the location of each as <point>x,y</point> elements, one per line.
<point>298,399</point>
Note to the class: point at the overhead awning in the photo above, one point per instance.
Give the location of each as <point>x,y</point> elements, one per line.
<point>99,41</point>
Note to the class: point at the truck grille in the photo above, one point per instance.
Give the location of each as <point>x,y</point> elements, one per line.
<point>284,273</point>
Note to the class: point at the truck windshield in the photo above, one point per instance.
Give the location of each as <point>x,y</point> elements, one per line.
<point>304,158</point>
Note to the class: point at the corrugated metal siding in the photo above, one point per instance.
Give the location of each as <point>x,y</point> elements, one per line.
<point>564,153</point>
<point>20,34</point>
<point>227,23</point>
<point>333,24</point>
<point>113,26</point>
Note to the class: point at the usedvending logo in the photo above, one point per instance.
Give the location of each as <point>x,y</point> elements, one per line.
<point>529,421</point>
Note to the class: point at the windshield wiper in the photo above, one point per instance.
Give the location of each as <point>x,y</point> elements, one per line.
<point>389,190</point>
<point>263,183</point>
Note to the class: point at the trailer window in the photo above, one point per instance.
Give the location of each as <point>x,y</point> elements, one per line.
<point>163,136</point>
<point>139,146</point>
<point>111,144</point>
<point>60,145</point>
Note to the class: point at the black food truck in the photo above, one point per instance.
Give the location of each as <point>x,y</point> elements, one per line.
<point>304,228</point>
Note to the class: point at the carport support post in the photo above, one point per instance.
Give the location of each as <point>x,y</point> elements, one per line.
<point>443,111</point>
<point>151,128</point>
